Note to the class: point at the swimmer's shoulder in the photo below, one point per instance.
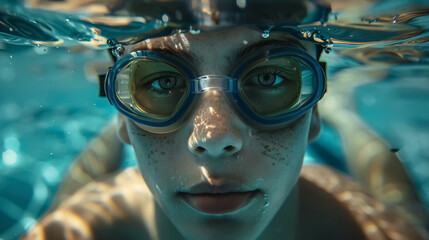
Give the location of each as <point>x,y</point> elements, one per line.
<point>117,207</point>
<point>333,206</point>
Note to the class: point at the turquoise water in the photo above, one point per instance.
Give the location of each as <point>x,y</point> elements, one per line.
<point>50,107</point>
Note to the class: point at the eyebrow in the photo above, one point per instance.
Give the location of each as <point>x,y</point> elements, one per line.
<point>168,50</point>
<point>260,46</point>
<point>236,56</point>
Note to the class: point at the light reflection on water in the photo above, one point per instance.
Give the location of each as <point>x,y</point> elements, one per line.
<point>46,121</point>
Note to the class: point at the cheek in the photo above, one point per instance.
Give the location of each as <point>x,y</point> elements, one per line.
<point>280,157</point>
<point>154,153</point>
<point>279,154</point>
<point>284,146</point>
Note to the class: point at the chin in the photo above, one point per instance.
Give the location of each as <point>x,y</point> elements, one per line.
<point>221,230</point>
<point>246,225</point>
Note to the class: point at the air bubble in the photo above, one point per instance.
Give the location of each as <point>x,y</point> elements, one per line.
<point>40,50</point>
<point>241,3</point>
<point>112,42</point>
<point>266,33</point>
<point>370,20</point>
<point>165,18</point>
<point>328,49</point>
<point>194,31</point>
<point>118,51</point>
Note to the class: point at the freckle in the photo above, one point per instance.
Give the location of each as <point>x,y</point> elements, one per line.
<point>163,153</point>
<point>273,163</point>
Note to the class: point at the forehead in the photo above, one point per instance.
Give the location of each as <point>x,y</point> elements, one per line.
<point>209,47</point>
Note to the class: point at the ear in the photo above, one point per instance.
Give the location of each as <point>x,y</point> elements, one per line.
<point>315,125</point>
<point>121,129</point>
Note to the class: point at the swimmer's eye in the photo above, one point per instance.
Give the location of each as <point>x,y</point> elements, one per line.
<point>157,88</point>
<point>162,84</point>
<point>267,77</point>
<point>272,86</point>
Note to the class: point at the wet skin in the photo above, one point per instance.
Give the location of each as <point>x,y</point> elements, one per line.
<point>218,177</point>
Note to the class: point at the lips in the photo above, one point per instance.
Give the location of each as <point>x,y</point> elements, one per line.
<point>210,199</point>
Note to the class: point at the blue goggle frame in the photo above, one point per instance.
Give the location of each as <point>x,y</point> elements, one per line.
<point>225,84</point>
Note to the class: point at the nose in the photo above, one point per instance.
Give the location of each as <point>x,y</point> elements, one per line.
<point>216,130</point>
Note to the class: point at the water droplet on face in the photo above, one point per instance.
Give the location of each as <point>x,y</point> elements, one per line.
<point>266,203</point>
<point>266,34</point>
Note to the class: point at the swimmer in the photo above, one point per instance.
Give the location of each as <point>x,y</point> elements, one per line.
<point>219,122</point>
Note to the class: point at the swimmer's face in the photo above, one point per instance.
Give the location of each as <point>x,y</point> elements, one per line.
<point>256,169</point>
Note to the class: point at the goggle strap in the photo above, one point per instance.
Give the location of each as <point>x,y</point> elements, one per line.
<point>324,66</point>
<point>101,85</point>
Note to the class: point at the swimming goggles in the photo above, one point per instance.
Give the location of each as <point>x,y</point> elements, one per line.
<point>159,91</point>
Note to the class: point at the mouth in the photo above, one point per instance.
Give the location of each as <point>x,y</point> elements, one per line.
<point>210,199</point>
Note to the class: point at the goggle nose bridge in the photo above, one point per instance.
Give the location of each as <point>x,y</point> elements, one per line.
<point>213,82</point>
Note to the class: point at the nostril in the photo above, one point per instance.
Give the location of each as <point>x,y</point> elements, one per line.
<point>229,148</point>
<point>200,149</point>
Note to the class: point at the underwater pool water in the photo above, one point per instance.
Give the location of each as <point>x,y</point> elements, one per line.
<point>50,107</point>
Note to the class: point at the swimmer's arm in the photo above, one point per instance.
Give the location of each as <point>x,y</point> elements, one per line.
<point>372,162</point>
<point>113,209</point>
<point>100,158</point>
